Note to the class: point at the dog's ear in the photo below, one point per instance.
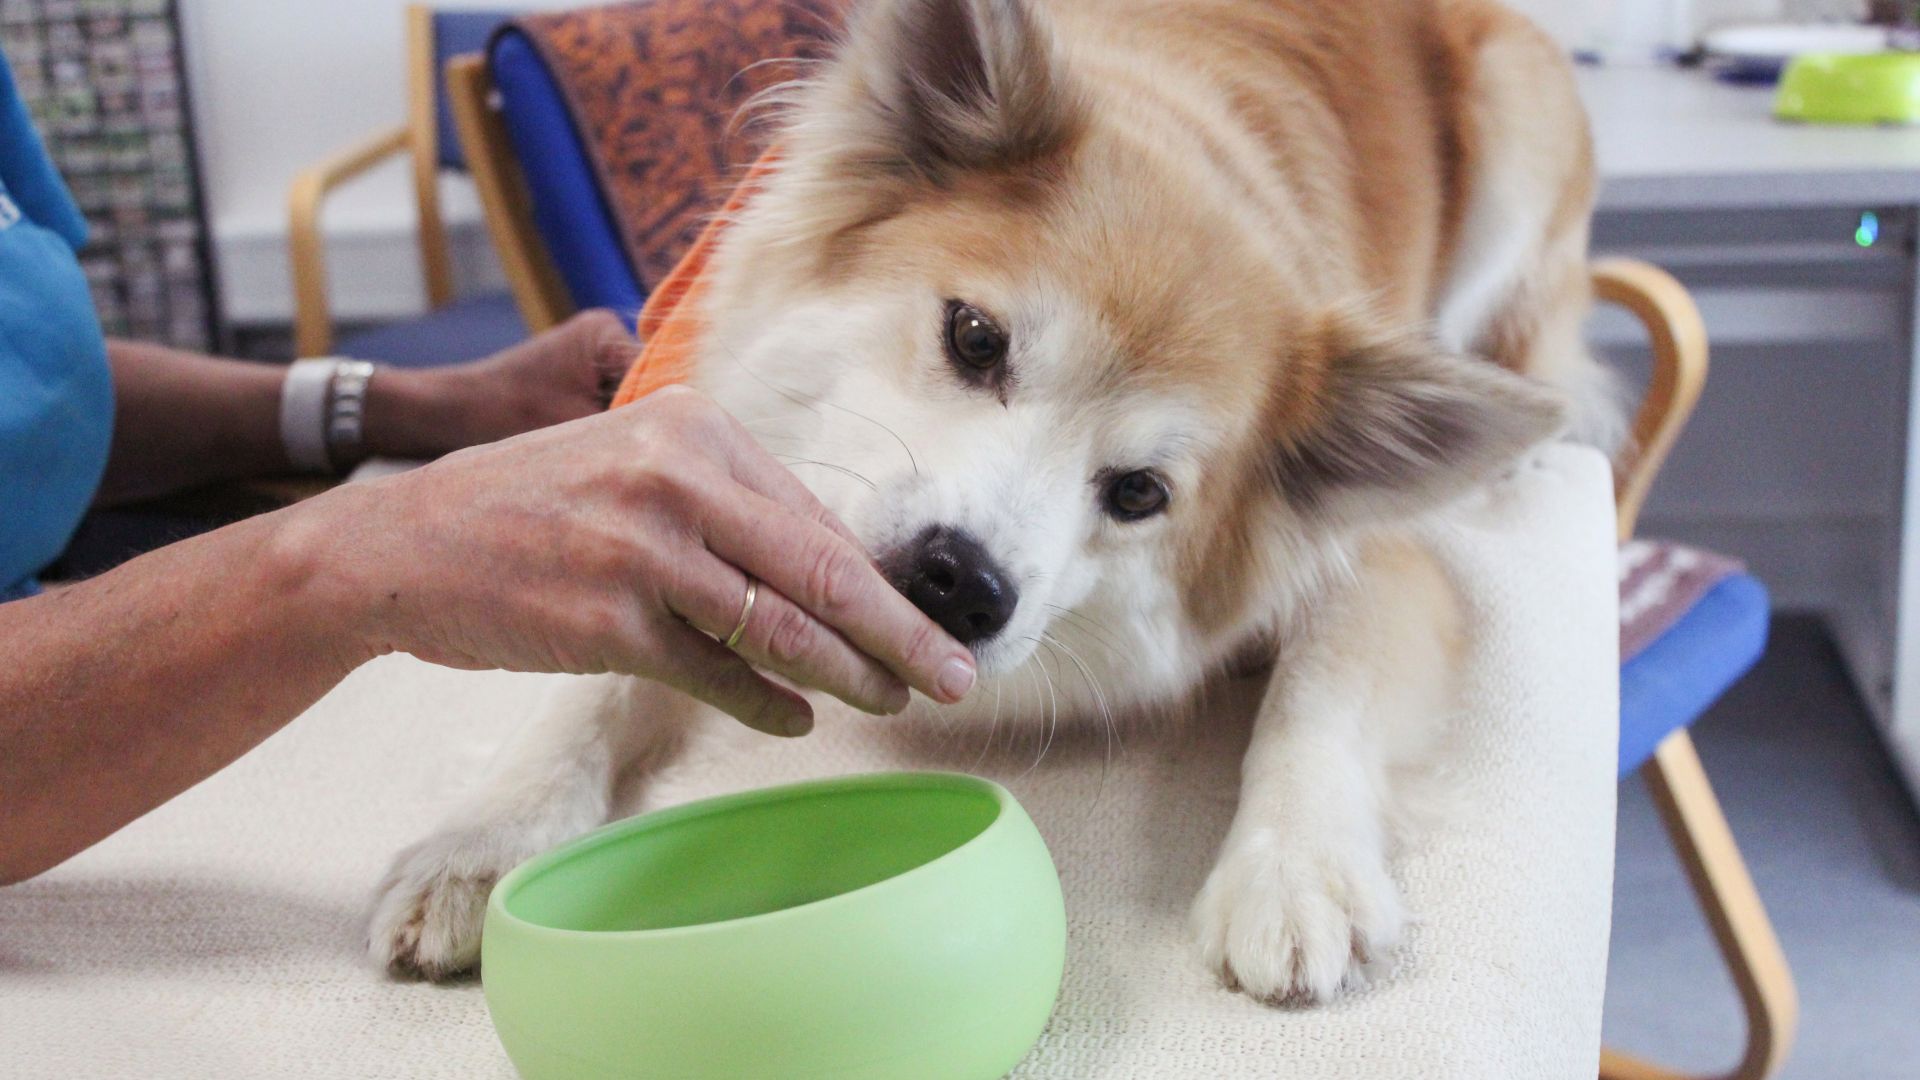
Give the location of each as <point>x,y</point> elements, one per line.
<point>1371,427</point>
<point>961,84</point>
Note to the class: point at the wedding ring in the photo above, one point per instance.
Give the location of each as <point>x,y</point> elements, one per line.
<point>746,610</point>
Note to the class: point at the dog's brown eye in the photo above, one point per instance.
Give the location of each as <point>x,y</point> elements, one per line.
<point>973,339</point>
<point>1136,495</point>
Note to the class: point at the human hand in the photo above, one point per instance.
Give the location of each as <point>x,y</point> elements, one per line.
<point>562,374</point>
<point>620,543</point>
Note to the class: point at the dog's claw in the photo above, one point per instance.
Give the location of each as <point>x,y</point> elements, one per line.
<point>428,913</point>
<point>1291,928</point>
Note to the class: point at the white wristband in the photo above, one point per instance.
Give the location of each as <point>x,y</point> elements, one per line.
<point>303,413</point>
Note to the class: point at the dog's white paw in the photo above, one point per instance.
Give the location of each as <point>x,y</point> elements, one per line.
<point>1296,923</point>
<point>428,912</point>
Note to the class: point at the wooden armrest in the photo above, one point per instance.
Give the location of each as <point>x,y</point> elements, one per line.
<point>1679,340</point>
<point>312,321</point>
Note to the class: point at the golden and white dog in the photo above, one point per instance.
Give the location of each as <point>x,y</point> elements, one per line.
<point>1182,312</point>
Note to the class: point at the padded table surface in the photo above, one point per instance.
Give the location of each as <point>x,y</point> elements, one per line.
<point>220,935</point>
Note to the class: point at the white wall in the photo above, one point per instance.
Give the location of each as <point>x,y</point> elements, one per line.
<point>278,84</point>
<point>1582,24</point>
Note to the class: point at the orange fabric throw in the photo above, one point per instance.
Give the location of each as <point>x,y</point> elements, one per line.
<point>670,325</point>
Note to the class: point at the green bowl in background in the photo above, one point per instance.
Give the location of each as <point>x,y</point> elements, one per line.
<point>878,927</point>
<point>1866,88</point>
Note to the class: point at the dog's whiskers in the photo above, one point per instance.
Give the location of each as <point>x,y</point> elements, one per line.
<point>770,440</point>
<point>813,401</point>
<point>938,712</point>
<point>997,685</point>
<point>1053,719</point>
<point>828,465</point>
<point>1095,632</point>
<point>892,434</point>
<point>793,396</point>
<point>1036,669</point>
<point>993,726</point>
<point>1099,636</point>
<point>1099,696</point>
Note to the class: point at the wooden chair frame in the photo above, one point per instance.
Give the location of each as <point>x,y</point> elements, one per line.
<point>419,139</point>
<point>1692,815</point>
<point>1695,824</point>
<point>537,288</point>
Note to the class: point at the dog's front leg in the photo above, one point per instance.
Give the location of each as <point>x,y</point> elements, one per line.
<point>1300,902</point>
<point>553,780</point>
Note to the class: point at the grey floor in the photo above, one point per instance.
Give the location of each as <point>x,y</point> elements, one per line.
<point>1835,850</point>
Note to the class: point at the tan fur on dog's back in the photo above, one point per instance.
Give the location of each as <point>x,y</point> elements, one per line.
<point>1372,123</point>
<point>1322,114</point>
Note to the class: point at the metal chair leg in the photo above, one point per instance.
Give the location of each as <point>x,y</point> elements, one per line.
<point>1732,908</point>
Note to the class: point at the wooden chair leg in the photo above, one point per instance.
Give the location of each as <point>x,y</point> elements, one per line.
<point>1732,908</point>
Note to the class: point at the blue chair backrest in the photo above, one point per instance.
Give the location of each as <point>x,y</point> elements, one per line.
<point>456,33</point>
<point>569,209</point>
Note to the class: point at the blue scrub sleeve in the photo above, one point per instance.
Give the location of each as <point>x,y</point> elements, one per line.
<point>28,172</point>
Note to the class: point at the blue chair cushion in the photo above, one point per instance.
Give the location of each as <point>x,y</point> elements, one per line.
<point>569,211</point>
<point>466,329</point>
<point>1675,678</point>
<point>456,33</point>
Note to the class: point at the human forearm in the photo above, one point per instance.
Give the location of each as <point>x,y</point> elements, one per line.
<point>124,690</point>
<point>182,420</point>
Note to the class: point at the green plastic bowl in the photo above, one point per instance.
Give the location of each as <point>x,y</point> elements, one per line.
<point>1865,88</point>
<point>880,927</point>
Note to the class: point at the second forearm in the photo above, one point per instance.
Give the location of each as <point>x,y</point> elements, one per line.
<point>183,420</point>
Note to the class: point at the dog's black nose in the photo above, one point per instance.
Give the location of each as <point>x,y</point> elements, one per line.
<point>951,577</point>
